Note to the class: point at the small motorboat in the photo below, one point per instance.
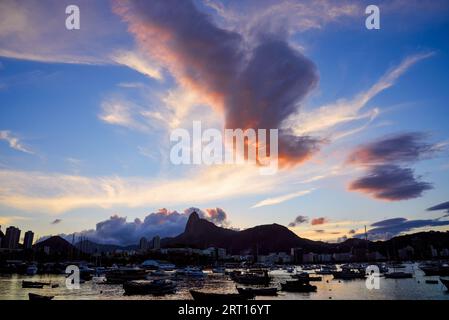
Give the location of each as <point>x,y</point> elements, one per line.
<point>34,284</point>
<point>39,297</point>
<point>398,275</point>
<point>155,287</point>
<point>297,286</point>
<point>258,291</point>
<point>218,297</point>
<point>445,282</point>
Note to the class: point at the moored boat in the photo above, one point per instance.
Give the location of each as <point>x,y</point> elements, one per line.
<point>298,286</point>
<point>34,284</point>
<point>347,274</point>
<point>445,282</point>
<point>398,275</point>
<point>435,269</point>
<point>258,291</point>
<point>254,277</point>
<point>306,276</point>
<point>121,275</point>
<point>154,287</point>
<point>218,297</point>
<point>39,297</point>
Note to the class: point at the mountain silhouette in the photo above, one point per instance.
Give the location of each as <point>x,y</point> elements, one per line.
<point>201,233</point>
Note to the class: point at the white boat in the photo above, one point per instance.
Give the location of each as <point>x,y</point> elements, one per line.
<point>167,266</point>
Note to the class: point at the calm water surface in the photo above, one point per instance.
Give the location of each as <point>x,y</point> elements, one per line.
<point>391,289</point>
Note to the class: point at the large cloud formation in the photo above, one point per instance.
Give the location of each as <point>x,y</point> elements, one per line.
<point>255,85</point>
<point>386,229</point>
<point>164,223</point>
<point>386,176</point>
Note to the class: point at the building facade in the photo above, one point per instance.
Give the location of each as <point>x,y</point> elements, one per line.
<point>11,238</point>
<point>28,240</point>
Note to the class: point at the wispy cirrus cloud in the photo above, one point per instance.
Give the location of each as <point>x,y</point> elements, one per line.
<point>282,198</point>
<point>14,142</point>
<point>325,119</point>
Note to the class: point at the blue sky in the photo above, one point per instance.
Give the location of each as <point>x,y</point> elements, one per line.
<point>86,115</point>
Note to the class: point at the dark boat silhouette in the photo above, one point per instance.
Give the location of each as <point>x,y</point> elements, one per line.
<point>34,284</point>
<point>398,275</point>
<point>298,286</point>
<point>445,282</point>
<point>39,297</point>
<point>258,291</point>
<point>254,277</point>
<point>218,297</point>
<point>154,287</point>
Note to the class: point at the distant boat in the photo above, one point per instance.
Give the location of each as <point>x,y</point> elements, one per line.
<point>34,284</point>
<point>190,272</point>
<point>348,274</point>
<point>121,275</point>
<point>254,277</point>
<point>258,291</point>
<point>435,269</point>
<point>306,276</point>
<point>31,270</point>
<point>219,270</point>
<point>39,297</point>
<point>155,287</point>
<point>445,282</point>
<point>298,286</point>
<point>398,275</point>
<point>218,297</point>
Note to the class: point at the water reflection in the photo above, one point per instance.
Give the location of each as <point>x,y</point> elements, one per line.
<point>415,288</point>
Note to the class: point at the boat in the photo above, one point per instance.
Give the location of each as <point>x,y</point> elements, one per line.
<point>397,266</point>
<point>349,274</point>
<point>445,282</point>
<point>326,269</point>
<point>39,297</point>
<point>34,284</point>
<point>154,287</point>
<point>290,269</point>
<point>297,286</point>
<point>218,297</point>
<point>220,270</point>
<point>435,269</point>
<point>398,275</point>
<point>167,266</point>
<point>86,273</point>
<point>158,273</point>
<point>258,291</point>
<point>306,276</point>
<point>121,275</point>
<point>31,270</point>
<point>190,272</point>
<point>432,281</point>
<point>253,277</point>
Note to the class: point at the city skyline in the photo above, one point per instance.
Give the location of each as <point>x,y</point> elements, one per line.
<point>86,116</point>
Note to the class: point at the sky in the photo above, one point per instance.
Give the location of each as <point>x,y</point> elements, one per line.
<point>86,116</point>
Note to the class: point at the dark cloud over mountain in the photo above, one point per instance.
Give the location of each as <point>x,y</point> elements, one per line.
<point>254,85</point>
<point>298,220</point>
